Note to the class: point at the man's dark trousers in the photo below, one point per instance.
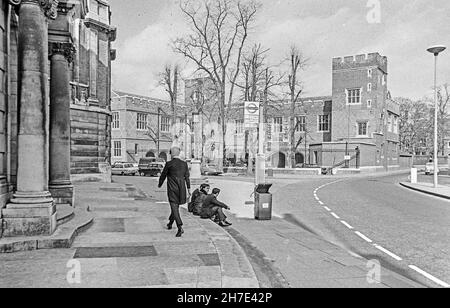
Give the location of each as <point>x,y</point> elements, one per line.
<point>175,215</point>
<point>218,212</point>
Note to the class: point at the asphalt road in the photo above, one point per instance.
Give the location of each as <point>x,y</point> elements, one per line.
<point>411,226</point>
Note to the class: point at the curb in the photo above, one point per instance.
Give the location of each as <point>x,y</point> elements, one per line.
<point>230,279</point>
<point>425,191</point>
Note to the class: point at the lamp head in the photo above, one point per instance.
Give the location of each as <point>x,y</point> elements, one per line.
<point>436,50</point>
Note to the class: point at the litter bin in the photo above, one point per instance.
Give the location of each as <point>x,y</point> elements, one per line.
<point>263,202</point>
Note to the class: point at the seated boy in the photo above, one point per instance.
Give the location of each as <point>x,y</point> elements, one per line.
<point>213,207</point>
<point>195,206</point>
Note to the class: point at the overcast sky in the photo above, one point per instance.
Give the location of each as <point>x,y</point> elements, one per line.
<point>322,29</point>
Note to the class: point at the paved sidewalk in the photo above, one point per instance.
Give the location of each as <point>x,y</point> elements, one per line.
<point>128,245</point>
<point>304,259</point>
<point>441,191</point>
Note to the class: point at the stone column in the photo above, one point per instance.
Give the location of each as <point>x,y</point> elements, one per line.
<point>31,210</point>
<point>61,54</point>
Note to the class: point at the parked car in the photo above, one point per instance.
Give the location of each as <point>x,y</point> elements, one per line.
<point>205,169</point>
<point>429,168</point>
<point>124,169</point>
<point>154,169</point>
<point>151,166</point>
<point>145,163</point>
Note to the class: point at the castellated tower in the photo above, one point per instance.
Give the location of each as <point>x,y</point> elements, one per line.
<point>359,97</point>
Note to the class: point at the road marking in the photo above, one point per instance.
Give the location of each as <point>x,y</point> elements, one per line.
<point>347,225</point>
<point>317,198</point>
<point>321,203</point>
<point>363,237</point>
<point>431,277</point>
<point>327,208</point>
<point>335,216</point>
<point>388,253</point>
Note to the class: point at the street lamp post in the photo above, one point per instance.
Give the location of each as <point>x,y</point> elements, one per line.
<point>436,50</point>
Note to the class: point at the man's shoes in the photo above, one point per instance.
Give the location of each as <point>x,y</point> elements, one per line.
<point>180,232</point>
<point>224,223</point>
<point>227,223</point>
<point>169,226</point>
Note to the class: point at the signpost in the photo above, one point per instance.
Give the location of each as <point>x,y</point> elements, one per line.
<point>253,121</point>
<point>251,115</point>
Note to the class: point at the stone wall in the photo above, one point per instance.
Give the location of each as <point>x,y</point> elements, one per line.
<point>89,140</point>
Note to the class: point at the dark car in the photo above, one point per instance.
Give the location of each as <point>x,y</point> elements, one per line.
<point>155,169</point>
<point>151,166</point>
<point>144,164</point>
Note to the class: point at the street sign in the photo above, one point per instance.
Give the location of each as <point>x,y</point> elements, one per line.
<point>347,157</point>
<point>251,114</point>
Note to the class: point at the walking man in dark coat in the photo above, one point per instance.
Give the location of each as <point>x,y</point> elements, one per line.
<point>177,173</point>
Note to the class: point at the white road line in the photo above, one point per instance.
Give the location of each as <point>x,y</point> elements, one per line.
<point>321,203</point>
<point>327,208</point>
<point>431,277</point>
<point>388,253</point>
<point>347,225</point>
<point>363,237</point>
<point>335,216</point>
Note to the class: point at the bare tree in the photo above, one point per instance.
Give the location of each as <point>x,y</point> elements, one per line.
<point>443,116</point>
<point>258,79</point>
<point>252,73</point>
<point>415,127</point>
<point>169,79</point>
<point>256,82</point>
<point>219,31</point>
<point>201,94</point>
<point>297,63</point>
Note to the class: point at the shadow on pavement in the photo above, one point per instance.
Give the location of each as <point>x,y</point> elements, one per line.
<point>392,267</point>
<point>291,219</point>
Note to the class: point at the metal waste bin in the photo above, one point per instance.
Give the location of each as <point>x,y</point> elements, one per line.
<point>263,202</point>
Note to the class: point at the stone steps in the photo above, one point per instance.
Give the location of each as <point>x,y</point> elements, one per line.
<point>72,224</point>
<point>64,213</point>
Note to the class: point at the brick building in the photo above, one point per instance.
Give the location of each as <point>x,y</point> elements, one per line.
<point>363,114</point>
<point>359,114</point>
<point>141,127</point>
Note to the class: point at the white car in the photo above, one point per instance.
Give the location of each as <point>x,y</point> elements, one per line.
<point>124,169</point>
<point>429,168</point>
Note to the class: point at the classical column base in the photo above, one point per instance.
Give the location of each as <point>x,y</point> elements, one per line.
<point>29,214</point>
<point>62,193</point>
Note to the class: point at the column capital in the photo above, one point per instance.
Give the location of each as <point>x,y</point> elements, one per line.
<point>63,48</point>
<point>49,6</point>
